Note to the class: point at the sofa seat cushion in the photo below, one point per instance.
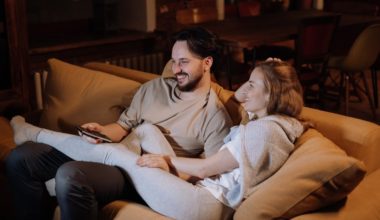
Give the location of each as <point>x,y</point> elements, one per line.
<point>122,209</point>
<point>75,95</point>
<point>318,173</point>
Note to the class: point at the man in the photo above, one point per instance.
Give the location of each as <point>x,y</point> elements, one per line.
<point>184,108</point>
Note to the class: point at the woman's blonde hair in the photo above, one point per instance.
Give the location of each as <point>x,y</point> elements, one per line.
<point>281,81</point>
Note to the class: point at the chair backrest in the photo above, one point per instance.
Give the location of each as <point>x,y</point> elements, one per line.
<point>249,8</point>
<point>304,5</point>
<point>196,15</point>
<point>314,39</point>
<point>353,7</point>
<point>364,51</point>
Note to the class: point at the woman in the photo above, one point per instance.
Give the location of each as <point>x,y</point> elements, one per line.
<point>251,153</point>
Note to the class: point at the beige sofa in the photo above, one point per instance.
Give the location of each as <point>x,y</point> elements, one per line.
<point>313,183</point>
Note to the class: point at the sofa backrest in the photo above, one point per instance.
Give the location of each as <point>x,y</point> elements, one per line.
<point>357,137</point>
<point>124,72</point>
<point>74,95</point>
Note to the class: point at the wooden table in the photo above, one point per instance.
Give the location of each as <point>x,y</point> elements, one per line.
<point>248,32</point>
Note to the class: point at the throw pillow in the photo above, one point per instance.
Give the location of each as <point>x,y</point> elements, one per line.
<point>317,174</point>
<point>75,95</point>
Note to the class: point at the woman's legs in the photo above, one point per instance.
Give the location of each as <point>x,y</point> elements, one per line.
<point>166,193</point>
<point>150,139</point>
<point>146,136</point>
<point>161,190</point>
<point>81,187</point>
<point>23,131</point>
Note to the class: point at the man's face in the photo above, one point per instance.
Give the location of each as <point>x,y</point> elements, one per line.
<point>187,68</point>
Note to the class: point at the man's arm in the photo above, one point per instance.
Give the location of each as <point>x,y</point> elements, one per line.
<point>217,128</point>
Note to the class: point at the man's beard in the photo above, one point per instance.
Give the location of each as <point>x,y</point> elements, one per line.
<point>191,85</point>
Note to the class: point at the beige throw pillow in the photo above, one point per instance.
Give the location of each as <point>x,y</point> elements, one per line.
<point>75,95</point>
<point>317,174</point>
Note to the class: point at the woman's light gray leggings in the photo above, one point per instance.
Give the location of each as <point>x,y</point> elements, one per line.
<point>162,191</point>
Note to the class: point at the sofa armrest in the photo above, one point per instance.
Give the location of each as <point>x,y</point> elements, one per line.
<point>357,137</point>
<point>6,139</point>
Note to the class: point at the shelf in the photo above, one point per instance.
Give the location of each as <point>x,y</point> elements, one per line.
<point>41,46</point>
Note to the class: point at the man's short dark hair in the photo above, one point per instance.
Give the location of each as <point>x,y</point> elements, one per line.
<point>202,43</point>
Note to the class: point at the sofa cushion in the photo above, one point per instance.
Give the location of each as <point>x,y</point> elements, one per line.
<point>317,174</point>
<point>362,203</point>
<point>75,95</point>
<point>121,209</point>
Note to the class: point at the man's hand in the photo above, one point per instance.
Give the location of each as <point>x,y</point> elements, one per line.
<point>154,161</point>
<point>92,127</point>
<point>114,131</point>
<point>275,59</point>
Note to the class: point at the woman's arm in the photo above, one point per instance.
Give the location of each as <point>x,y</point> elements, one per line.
<point>220,162</point>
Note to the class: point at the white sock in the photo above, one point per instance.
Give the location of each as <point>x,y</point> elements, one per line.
<point>23,131</point>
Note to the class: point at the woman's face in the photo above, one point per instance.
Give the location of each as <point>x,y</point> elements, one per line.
<point>256,97</point>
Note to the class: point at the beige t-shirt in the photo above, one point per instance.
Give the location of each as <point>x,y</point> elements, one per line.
<point>191,127</point>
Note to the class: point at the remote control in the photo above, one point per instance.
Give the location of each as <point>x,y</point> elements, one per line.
<point>93,134</point>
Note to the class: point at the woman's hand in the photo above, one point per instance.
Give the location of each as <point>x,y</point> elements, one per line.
<point>154,161</point>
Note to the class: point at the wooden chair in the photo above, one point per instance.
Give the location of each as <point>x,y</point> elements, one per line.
<point>310,54</point>
<point>374,68</point>
<point>361,56</point>
<point>353,7</point>
<point>276,49</point>
<point>249,8</point>
<point>312,50</point>
<point>196,15</point>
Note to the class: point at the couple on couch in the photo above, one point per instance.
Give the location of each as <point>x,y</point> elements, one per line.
<point>169,122</point>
